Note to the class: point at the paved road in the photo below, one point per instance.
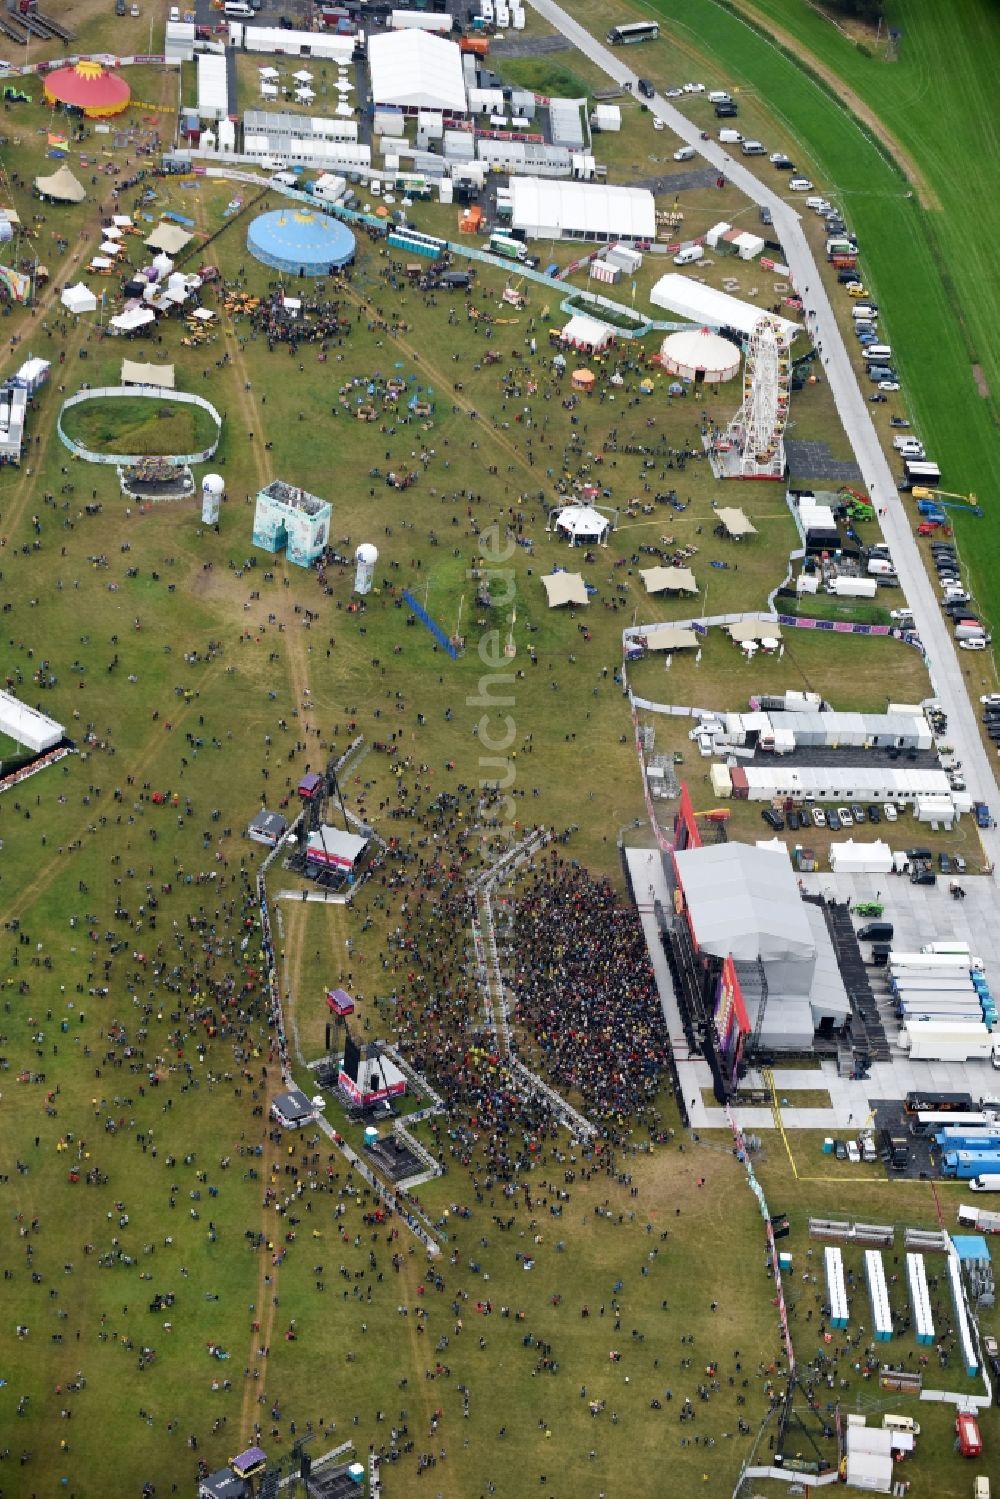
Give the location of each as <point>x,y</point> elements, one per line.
<point>945,664</point>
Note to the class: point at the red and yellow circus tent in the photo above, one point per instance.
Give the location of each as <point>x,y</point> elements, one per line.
<point>90,87</point>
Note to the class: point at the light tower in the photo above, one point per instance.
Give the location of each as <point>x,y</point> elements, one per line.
<point>757,429</point>
<point>213,489</point>
<point>365,559</point>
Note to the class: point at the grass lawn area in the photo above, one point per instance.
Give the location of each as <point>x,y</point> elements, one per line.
<point>139,425</point>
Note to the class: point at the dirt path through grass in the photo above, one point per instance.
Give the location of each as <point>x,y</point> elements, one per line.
<point>872,122</point>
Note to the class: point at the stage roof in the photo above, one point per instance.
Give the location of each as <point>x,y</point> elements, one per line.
<point>744,902</point>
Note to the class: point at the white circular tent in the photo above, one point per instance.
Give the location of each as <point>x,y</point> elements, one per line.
<point>582,523</point>
<point>702,356</point>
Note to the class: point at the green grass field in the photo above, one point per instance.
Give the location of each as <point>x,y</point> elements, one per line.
<point>140,426</point>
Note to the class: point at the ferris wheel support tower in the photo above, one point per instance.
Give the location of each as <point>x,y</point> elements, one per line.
<point>757,430</point>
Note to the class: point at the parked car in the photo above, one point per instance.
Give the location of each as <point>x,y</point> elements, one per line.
<point>799,185</point>
<point>646,89</point>
<point>833,819</point>
<point>845,817</point>
<point>119,7</point>
<point>874,812</point>
<point>695,88</point>
<point>686,153</point>
<point>792,819</point>
<point>773,819</point>
<point>889,812</point>
<point>973,645</point>
<point>858,813</point>
<point>840,1150</point>
<point>923,877</point>
<point>944,863</point>
<point>766,217</point>
<point>853,1153</point>
<point>818,817</point>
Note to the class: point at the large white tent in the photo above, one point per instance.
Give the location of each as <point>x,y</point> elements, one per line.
<point>582,523</point>
<point>545,209</point>
<point>565,588</point>
<point>213,86</point>
<point>78,298</point>
<point>700,355</point>
<point>849,857</point>
<point>744,901</point>
<point>27,726</point>
<point>415,70</point>
<point>132,319</point>
<point>587,333</point>
<point>710,308</point>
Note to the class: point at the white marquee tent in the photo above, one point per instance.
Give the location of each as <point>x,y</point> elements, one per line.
<point>546,209</point>
<point>27,726</point>
<point>79,299</point>
<point>132,319</point>
<point>708,307</point>
<point>588,333</point>
<point>416,70</point>
<point>582,523</point>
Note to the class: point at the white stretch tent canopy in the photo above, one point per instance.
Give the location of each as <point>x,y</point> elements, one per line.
<point>79,299</point>
<point>27,726</point>
<point>660,579</point>
<point>582,523</point>
<point>587,333</point>
<point>670,638</point>
<point>135,373</point>
<point>416,70</point>
<point>565,588</point>
<point>170,238</point>
<point>547,209</point>
<point>711,308</point>
<point>734,520</point>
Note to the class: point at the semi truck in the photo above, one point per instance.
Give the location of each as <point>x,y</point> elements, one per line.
<point>507,247</point>
<point>854,588</point>
<point>947,1041</point>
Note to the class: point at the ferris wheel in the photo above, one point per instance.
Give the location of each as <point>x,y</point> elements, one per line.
<point>757,429</point>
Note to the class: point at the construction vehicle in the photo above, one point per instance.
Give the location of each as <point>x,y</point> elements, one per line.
<point>966,502</point>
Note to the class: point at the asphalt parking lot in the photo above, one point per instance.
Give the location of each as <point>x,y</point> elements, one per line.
<point>813,460</point>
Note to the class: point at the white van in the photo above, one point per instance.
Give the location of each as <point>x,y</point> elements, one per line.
<point>754,148</point>
<point>878,354</point>
<point>686,153</point>
<point>718,96</point>
<point>285,179</point>
<point>982,1488</point>
<point>689,256</point>
<point>817,203</point>
<point>799,185</point>
<point>237,10</point>
<point>730,137</point>
<point>901,1423</point>
<point>863,312</point>
<point>175,13</point>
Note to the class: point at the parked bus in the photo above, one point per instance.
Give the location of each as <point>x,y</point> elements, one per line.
<point>508,247</point>
<point>938,1103</point>
<point>634,31</point>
